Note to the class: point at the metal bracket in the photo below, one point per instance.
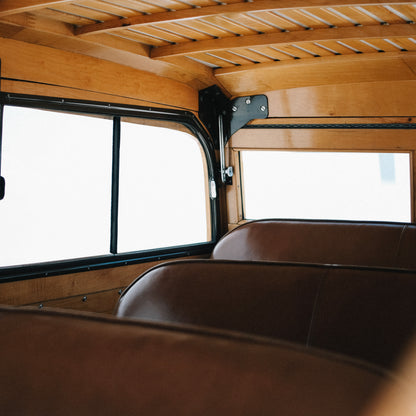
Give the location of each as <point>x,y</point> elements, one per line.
<point>236,113</point>
<point>245,109</point>
<point>223,117</point>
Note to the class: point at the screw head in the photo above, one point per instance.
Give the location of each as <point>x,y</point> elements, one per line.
<point>234,108</point>
<point>248,101</point>
<point>263,108</point>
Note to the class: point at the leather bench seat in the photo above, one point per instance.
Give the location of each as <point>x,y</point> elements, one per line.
<point>366,313</point>
<point>60,363</point>
<point>381,244</point>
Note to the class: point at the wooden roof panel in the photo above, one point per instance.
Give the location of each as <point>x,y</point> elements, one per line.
<point>276,21</point>
<point>84,11</point>
<point>303,18</point>
<point>144,37</point>
<point>110,8</point>
<point>201,35</point>
<point>314,49</point>
<point>64,17</point>
<point>407,43</point>
<point>354,15</point>
<point>130,5</point>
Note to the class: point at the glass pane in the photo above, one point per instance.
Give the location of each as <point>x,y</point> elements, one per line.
<point>162,188</point>
<point>57,168</point>
<point>327,185</point>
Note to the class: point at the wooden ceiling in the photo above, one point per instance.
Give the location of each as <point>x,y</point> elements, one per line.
<point>228,42</point>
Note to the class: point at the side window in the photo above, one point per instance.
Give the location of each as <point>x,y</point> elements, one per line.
<point>326,185</point>
<point>58,203</point>
<point>162,188</point>
<point>58,190</point>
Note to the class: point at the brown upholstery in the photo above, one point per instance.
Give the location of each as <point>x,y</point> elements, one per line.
<point>71,364</point>
<point>365,313</point>
<point>369,314</point>
<point>325,242</point>
<point>231,295</point>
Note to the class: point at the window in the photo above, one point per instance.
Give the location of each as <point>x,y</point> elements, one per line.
<point>326,185</point>
<point>59,201</point>
<point>57,186</point>
<point>156,177</point>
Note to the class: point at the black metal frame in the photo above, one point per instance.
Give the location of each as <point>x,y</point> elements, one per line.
<point>235,114</point>
<point>116,111</point>
<point>2,181</point>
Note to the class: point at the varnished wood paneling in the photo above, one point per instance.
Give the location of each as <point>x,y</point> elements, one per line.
<point>326,139</point>
<point>68,289</point>
<point>348,69</point>
<point>46,65</point>
<point>68,93</point>
<point>370,99</point>
<point>53,91</point>
<point>45,289</point>
<point>101,302</point>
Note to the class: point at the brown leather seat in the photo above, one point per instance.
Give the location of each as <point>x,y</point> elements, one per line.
<point>55,363</point>
<point>325,242</point>
<point>366,313</point>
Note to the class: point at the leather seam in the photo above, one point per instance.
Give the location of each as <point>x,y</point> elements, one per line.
<point>399,244</point>
<point>315,304</point>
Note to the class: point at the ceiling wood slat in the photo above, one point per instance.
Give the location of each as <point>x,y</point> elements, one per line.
<point>241,7</point>
<point>376,31</point>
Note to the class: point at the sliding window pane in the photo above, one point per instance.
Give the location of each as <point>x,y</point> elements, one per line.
<point>327,185</point>
<point>57,168</point>
<point>163,193</point>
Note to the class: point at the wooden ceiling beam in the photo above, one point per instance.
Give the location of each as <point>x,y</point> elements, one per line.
<point>242,7</point>
<point>342,33</point>
<point>8,7</point>
<point>30,21</point>
<point>30,28</point>
<point>345,69</point>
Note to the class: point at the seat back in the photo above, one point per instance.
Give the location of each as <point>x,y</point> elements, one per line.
<point>72,364</point>
<point>325,242</point>
<point>366,313</point>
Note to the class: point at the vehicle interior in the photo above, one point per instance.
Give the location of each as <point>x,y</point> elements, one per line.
<point>207,207</point>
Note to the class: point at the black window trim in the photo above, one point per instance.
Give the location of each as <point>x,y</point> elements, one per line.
<point>116,111</point>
